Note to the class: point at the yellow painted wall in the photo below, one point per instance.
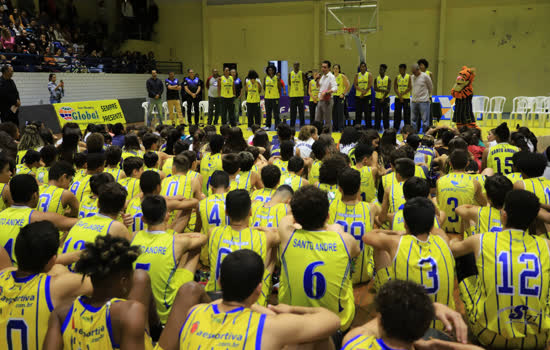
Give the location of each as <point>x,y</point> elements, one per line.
<point>506,40</point>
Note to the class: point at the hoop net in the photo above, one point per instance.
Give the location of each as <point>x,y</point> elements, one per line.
<point>349,33</point>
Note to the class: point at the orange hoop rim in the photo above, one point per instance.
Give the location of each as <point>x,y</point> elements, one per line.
<point>349,30</point>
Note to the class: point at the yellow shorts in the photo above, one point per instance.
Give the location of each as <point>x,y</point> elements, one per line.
<point>492,340</point>
<point>381,277</point>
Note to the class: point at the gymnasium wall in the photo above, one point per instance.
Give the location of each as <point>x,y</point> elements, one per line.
<point>506,40</point>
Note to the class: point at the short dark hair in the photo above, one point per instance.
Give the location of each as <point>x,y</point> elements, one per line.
<point>521,207</point>
<point>98,180</point>
<point>216,143</point>
<point>181,163</point>
<point>219,178</point>
<point>237,204</point>
<point>402,65</point>
<point>180,146</point>
<point>35,245</point>
<point>154,209</point>
<point>446,137</point>
<point>240,273</point>
<point>80,160</point>
<point>191,155</point>
<point>130,164</point>
<point>422,61</point>
<point>327,63</point>
<point>349,180</point>
<point>405,167</point>
<point>413,140</point>
<point>231,163</point>
<point>271,175</point>
<point>295,164</point>
<point>419,213</point>
<point>287,150</point>
<point>112,198</point>
<point>22,187</point>
<point>131,142</point>
<point>383,66</point>
<point>59,169</point>
<point>246,160</point>
<point>284,132</point>
<point>363,151</point>
<point>328,173</point>
<point>310,207</point>
<point>497,187</point>
<point>149,181</point>
<point>416,187</point>
<point>113,155</point>
<point>95,161</point>
<point>31,157</point>
<point>48,154</point>
<point>149,139</point>
<point>459,159</point>
<point>531,164</point>
<point>406,310</point>
<point>396,154</point>
<point>150,159</point>
<point>319,149</point>
<point>95,143</point>
<point>502,132</point>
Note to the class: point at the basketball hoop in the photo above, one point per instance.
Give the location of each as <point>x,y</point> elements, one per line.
<point>349,33</point>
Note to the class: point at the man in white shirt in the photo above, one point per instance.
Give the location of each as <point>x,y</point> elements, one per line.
<point>420,104</point>
<point>327,86</point>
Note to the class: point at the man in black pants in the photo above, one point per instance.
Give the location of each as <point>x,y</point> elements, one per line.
<point>402,87</point>
<point>382,86</point>
<point>296,92</point>
<point>226,89</point>
<point>363,98</point>
<point>192,88</point>
<point>9,97</point>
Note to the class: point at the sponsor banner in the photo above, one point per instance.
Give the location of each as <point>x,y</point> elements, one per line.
<point>86,112</point>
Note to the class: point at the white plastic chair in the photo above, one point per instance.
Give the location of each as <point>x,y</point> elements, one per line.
<point>184,109</point>
<point>520,108</point>
<point>145,106</point>
<point>480,106</point>
<point>166,109</point>
<point>496,107</point>
<point>539,109</point>
<point>545,112</point>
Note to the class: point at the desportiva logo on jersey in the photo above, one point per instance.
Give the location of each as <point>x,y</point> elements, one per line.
<point>69,114</point>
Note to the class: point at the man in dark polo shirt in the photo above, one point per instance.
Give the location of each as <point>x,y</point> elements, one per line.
<point>9,97</point>
<point>155,88</point>
<point>173,88</point>
<point>192,88</point>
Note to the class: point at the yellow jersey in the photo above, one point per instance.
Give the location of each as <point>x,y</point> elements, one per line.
<point>292,180</point>
<point>81,187</point>
<point>85,230</point>
<point>425,155</point>
<point>49,199</point>
<point>88,207</point>
<point>23,169</point>
<point>514,177</point>
<point>333,192</point>
<point>178,185</point>
<point>282,165</point>
<point>488,220</point>
<point>131,184</point>
<point>263,216</point>
<point>26,306</point>
<point>167,166</point>
<point>12,219</point>
<point>131,153</point>
<point>212,213</point>
<point>391,178</point>
<point>396,197</point>
<point>314,90</point>
<point>296,84</point>
<point>209,328</point>
<point>227,86</point>
<point>453,190</point>
<point>158,259</point>
<point>363,342</point>
<point>209,163</point>
<point>42,174</point>
<point>429,263</point>
<point>511,298</point>
<point>341,88</point>
<point>253,91</point>
<point>500,156</point>
<point>314,172</point>
<point>224,240</point>
<point>242,182</point>
<point>540,187</point>
<point>134,208</point>
<point>382,83</point>
<point>116,172</point>
<point>357,221</point>
<point>3,204</point>
<point>403,85</point>
<point>315,271</point>
<point>20,155</point>
<point>272,87</point>
<point>263,195</point>
<point>398,223</point>
<point>368,186</point>
<point>363,83</point>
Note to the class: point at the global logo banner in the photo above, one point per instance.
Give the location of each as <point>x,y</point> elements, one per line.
<point>84,113</point>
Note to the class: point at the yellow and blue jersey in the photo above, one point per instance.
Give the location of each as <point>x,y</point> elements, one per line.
<point>134,208</point>
<point>81,187</point>
<point>263,195</point>
<point>212,213</point>
<point>23,169</point>
<point>453,190</point>
<point>424,155</point>
<point>314,172</point>
<point>391,178</point>
<point>49,199</point>
<point>243,181</point>
<point>333,192</point>
<point>368,186</point>
<point>26,305</point>
<point>167,166</point>
<point>42,174</point>
<point>355,220</point>
<point>500,156</point>
<point>282,165</point>
<point>209,328</point>
<point>488,220</point>
<point>512,292</point>
<point>396,198</point>
<point>315,272</point>
<point>116,172</point>
<point>209,163</point>
<point>88,207</point>
<point>363,342</point>
<point>12,220</point>
<point>514,177</point>
<point>540,187</point>
<point>131,153</point>
<point>398,223</point>
<point>131,185</point>
<point>3,204</point>
<point>263,216</point>
<point>178,185</point>
<point>292,180</point>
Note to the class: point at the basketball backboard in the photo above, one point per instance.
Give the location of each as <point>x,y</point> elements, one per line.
<point>362,15</point>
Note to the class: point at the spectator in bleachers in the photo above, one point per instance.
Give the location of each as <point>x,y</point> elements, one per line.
<point>49,60</point>
<point>15,18</point>
<point>57,91</point>
<point>4,17</point>
<point>7,40</point>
